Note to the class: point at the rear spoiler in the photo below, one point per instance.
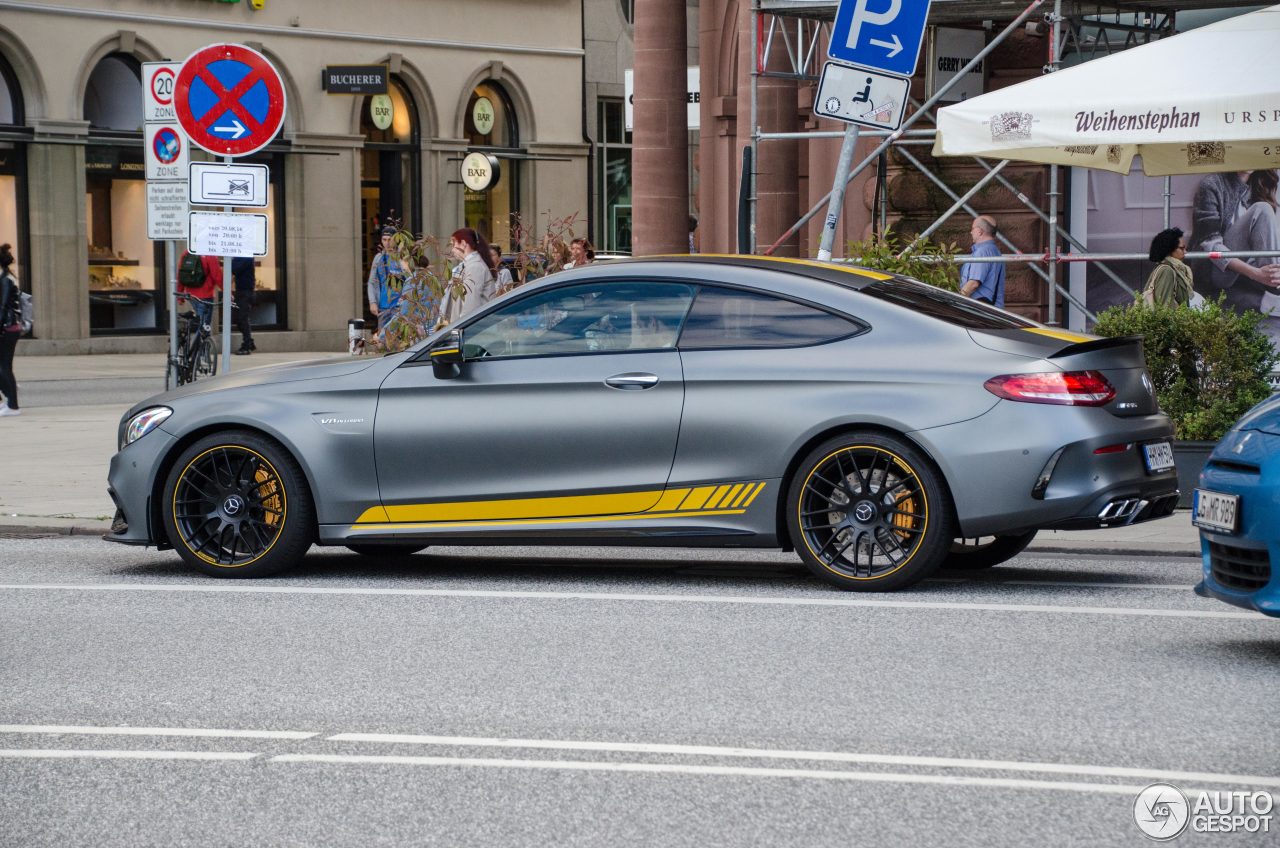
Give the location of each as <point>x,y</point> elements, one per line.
<point>1097,344</point>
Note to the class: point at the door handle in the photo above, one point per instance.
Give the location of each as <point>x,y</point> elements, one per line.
<point>633,380</point>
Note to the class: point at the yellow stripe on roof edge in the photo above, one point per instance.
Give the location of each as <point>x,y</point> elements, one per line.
<point>812,263</point>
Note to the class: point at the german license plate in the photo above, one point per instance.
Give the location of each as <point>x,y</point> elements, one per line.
<point>1215,511</point>
<point>1158,457</point>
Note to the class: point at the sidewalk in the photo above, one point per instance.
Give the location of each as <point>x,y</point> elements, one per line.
<point>57,482</point>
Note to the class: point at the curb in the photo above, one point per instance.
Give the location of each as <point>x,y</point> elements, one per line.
<point>11,531</point>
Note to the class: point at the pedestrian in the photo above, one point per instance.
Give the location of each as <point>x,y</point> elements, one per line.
<point>580,253</point>
<point>467,291</point>
<point>386,280</point>
<point>983,281</point>
<point>210,285</point>
<point>10,330</point>
<point>243,274</point>
<point>1170,282</point>
<point>694,240</point>
<point>558,256</point>
<point>502,281</point>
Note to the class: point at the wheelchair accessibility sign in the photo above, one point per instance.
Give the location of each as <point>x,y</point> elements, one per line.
<point>882,35</point>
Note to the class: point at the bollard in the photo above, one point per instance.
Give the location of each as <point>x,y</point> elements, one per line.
<point>355,336</point>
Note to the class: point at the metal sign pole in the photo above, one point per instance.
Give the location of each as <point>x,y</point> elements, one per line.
<point>837,192</point>
<point>226,299</point>
<point>171,304</point>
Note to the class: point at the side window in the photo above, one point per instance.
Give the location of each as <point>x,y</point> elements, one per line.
<point>729,318</point>
<point>588,318</point>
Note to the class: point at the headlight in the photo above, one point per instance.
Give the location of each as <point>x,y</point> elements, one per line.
<point>144,422</point>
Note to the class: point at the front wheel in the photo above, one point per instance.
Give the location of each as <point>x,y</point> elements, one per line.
<point>868,512</point>
<point>237,504</point>
<point>986,551</point>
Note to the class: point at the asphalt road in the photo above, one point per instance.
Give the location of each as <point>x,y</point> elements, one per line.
<point>552,697</point>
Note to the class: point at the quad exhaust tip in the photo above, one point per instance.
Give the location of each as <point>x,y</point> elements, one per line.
<point>1124,511</point>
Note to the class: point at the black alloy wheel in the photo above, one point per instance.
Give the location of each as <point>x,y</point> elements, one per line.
<point>238,505</point>
<point>973,554</point>
<point>869,512</point>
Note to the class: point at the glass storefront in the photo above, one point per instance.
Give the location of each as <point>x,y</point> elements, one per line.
<point>492,127</point>
<point>13,216</point>
<point>390,164</point>
<point>613,179</point>
<point>125,267</point>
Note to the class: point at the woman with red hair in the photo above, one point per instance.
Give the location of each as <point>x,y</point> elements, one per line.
<point>473,278</point>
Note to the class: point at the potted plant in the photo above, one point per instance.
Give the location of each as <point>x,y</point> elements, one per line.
<point>1209,366</point>
<point>927,261</point>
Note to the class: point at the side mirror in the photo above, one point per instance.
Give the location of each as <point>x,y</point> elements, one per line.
<point>446,356</point>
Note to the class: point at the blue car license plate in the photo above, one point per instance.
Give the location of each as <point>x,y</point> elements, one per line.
<point>1215,511</point>
<point>1158,457</point>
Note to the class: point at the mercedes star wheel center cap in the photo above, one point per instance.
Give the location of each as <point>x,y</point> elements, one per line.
<point>232,505</point>
<point>864,511</point>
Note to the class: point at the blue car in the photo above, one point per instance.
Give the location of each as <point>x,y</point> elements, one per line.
<point>1237,508</point>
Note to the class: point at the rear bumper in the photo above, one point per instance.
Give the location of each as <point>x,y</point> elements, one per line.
<point>994,463</point>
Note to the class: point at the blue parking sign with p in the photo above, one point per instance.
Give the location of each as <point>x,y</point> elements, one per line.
<point>884,35</point>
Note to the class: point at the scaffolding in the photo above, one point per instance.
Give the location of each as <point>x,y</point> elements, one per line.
<point>1075,31</point>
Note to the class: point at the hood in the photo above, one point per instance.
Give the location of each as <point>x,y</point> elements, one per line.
<point>289,372</point>
<point>1264,417</point>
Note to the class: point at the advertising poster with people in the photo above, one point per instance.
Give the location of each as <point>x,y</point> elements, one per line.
<point>1229,211</point>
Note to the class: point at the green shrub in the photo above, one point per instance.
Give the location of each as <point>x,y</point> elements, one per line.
<point>927,262</point>
<point>1209,365</point>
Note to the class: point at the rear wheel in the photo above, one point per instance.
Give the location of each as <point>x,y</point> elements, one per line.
<point>868,512</point>
<point>386,550</point>
<point>986,551</point>
<point>237,505</point>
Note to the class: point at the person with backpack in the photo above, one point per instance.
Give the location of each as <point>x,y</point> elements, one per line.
<point>11,328</point>
<point>200,276</point>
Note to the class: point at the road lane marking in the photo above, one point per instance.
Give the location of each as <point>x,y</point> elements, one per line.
<point>644,598</point>
<point>78,754</point>
<point>820,756</point>
<point>719,771</point>
<point>155,731</point>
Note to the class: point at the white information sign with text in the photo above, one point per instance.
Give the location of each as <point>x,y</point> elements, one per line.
<point>167,211</point>
<point>227,234</point>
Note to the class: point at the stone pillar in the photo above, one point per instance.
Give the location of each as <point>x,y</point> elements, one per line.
<point>660,141</point>
<point>59,258</point>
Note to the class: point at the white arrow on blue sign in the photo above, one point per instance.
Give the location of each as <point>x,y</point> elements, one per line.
<point>884,35</point>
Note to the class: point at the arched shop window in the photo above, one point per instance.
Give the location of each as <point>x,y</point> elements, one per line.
<point>491,127</point>
<point>13,170</point>
<point>390,165</point>
<point>126,292</point>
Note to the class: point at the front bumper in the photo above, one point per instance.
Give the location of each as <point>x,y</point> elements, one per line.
<point>1239,568</point>
<point>131,482</point>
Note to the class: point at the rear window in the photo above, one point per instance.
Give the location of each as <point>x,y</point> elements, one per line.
<point>944,305</point>
<point>732,318</point>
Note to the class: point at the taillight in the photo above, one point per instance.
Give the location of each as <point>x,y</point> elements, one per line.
<point>1072,388</point>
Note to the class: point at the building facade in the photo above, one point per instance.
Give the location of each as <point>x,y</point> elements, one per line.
<point>72,188</point>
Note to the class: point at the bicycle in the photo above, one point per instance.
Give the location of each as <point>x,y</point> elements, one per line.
<point>196,355</point>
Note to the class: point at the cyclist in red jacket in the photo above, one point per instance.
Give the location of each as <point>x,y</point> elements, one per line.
<point>207,290</point>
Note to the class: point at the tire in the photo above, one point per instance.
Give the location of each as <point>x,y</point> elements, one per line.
<point>898,532</point>
<point>986,551</point>
<point>386,550</point>
<point>236,504</point>
<point>206,360</point>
